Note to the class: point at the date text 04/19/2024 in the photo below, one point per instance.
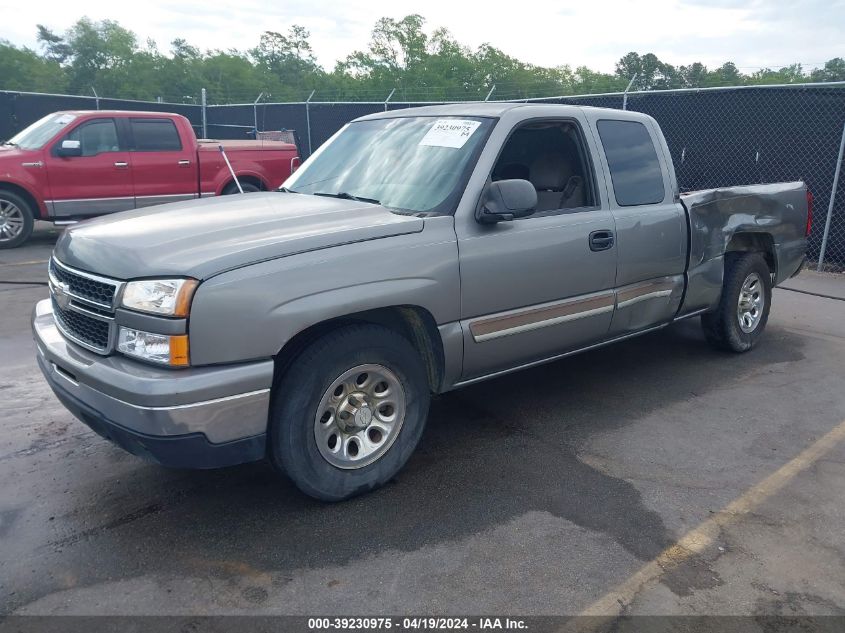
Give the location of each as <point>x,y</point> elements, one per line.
<point>417,623</point>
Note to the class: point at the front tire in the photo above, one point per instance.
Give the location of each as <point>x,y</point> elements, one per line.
<point>743,311</point>
<point>16,220</point>
<point>348,412</point>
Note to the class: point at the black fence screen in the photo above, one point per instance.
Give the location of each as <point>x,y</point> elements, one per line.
<point>20,109</point>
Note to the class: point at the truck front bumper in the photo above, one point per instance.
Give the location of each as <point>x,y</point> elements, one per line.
<point>202,417</point>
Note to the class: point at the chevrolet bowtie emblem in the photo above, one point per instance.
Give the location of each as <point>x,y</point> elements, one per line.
<point>60,294</point>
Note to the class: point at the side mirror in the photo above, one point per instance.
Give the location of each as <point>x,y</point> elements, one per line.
<point>69,148</point>
<point>506,200</point>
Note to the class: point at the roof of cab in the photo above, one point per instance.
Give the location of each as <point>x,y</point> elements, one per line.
<point>483,108</point>
<point>487,109</point>
<point>141,113</point>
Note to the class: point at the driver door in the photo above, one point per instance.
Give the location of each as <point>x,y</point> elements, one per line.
<point>539,286</point>
<point>99,181</point>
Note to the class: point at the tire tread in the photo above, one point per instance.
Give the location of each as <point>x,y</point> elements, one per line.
<point>720,327</point>
<point>305,373</point>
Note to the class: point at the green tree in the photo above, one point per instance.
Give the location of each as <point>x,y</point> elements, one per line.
<point>25,69</point>
<point>725,75</point>
<point>96,54</point>
<point>693,76</point>
<point>287,62</point>
<point>649,72</point>
<point>402,55</point>
<point>833,70</point>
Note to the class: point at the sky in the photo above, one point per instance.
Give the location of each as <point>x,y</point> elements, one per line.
<point>595,33</point>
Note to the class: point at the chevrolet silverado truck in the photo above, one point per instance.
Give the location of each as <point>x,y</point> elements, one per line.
<point>74,165</point>
<point>417,251</point>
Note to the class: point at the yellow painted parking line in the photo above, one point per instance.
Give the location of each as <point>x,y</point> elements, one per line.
<point>700,538</point>
<point>31,263</point>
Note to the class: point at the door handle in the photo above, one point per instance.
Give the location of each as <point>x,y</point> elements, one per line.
<point>184,163</point>
<point>121,164</point>
<point>601,240</point>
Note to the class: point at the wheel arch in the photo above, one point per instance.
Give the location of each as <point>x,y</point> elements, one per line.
<point>414,323</point>
<point>251,178</point>
<point>26,194</point>
<point>755,242</point>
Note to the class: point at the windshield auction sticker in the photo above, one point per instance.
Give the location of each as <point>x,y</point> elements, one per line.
<point>450,133</point>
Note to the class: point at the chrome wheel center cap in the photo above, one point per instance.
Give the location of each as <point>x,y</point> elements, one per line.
<point>363,417</point>
<point>354,413</point>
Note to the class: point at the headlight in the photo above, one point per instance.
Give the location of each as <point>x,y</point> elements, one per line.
<point>156,348</point>
<point>170,297</point>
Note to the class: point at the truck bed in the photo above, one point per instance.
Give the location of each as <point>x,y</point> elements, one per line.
<point>776,212</point>
<point>211,145</point>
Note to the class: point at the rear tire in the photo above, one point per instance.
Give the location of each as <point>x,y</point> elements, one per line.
<point>348,412</point>
<point>740,319</point>
<point>16,220</point>
<point>248,187</point>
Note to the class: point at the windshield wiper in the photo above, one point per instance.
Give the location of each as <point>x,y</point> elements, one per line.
<point>9,143</point>
<point>347,196</point>
<point>286,190</point>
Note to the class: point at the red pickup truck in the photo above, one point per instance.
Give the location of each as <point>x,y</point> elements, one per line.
<point>78,164</point>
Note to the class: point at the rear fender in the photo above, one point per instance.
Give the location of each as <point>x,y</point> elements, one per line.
<point>225,177</point>
<point>765,218</point>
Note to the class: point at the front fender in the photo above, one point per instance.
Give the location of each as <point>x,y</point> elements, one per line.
<point>252,312</point>
<point>12,181</point>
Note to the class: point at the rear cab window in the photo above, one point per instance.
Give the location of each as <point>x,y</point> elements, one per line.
<point>635,169</point>
<point>155,135</point>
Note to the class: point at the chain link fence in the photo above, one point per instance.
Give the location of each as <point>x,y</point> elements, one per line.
<point>717,136</point>
<point>740,136</point>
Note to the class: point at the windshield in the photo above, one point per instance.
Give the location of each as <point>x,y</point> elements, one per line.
<point>411,164</point>
<point>37,134</point>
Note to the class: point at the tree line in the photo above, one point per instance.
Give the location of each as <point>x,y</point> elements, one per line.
<point>402,56</point>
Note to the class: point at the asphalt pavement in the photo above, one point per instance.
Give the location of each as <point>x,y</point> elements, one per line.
<point>653,476</point>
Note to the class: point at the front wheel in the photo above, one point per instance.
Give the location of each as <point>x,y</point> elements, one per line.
<point>349,412</point>
<point>16,220</point>
<point>743,310</point>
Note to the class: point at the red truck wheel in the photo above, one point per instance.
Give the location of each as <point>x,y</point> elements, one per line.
<point>16,220</point>
<point>248,187</point>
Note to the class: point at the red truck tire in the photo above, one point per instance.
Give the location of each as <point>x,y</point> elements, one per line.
<point>248,187</point>
<point>16,219</point>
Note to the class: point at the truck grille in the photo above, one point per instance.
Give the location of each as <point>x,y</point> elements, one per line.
<point>82,328</point>
<point>83,306</point>
<point>83,286</point>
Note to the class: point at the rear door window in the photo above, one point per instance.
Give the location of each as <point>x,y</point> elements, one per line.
<point>155,135</point>
<point>634,166</point>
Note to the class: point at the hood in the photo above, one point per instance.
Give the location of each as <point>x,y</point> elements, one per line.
<point>201,238</point>
<point>10,152</point>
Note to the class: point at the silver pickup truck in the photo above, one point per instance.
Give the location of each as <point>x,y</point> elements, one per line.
<point>415,252</point>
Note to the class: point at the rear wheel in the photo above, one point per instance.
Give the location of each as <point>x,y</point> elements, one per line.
<point>743,310</point>
<point>248,187</point>
<point>16,220</point>
<point>349,412</point>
